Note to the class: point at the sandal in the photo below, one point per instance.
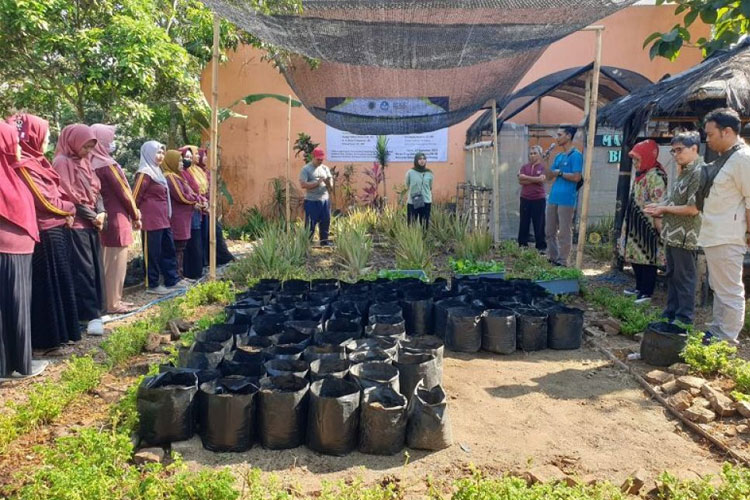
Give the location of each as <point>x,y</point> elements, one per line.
<point>121,309</point>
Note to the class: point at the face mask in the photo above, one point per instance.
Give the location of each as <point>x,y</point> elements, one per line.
<point>112,147</point>
<point>186,163</point>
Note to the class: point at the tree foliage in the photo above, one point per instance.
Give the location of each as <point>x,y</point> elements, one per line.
<point>729,20</point>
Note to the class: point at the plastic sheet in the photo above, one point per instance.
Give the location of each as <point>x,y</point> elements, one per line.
<point>383,420</point>
<point>333,416</point>
<point>282,412</point>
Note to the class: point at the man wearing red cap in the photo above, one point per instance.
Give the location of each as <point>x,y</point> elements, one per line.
<point>316,179</point>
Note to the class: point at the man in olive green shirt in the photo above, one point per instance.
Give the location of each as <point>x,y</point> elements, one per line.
<point>680,228</point>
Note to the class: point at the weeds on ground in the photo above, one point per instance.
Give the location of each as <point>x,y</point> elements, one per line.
<point>128,340</point>
<point>210,292</point>
<point>634,317</point>
<point>735,484</point>
<point>277,254</point>
<point>707,359</point>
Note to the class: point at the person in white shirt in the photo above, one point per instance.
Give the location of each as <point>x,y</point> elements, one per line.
<point>725,224</point>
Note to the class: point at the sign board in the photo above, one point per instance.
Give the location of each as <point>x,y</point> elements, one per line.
<point>344,146</point>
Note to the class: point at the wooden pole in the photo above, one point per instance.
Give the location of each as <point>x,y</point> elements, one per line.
<point>589,157</point>
<point>495,176</point>
<point>288,165</point>
<point>214,151</point>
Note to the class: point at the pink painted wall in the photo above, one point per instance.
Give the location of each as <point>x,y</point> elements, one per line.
<point>254,150</point>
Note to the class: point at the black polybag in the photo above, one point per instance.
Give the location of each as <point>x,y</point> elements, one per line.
<point>203,355</point>
<point>221,336</point>
<point>333,416</point>
<point>267,325</point>
<point>282,412</point>
<point>413,367</point>
<point>234,364</point>
<point>296,367</point>
<point>565,328</point>
<point>365,355</point>
<point>499,331</point>
<point>387,326</point>
<point>463,332</point>
<point>375,374</point>
<point>203,375</point>
<point>294,338</point>
<point>418,312</point>
<point>426,343</point>
<point>324,351</point>
<point>165,404</point>
<point>310,311</point>
<point>226,413</point>
<point>339,330</point>
<point>243,312</point>
<point>440,313</point>
<point>284,351</point>
<point>295,286</point>
<point>307,328</point>
<point>385,310</point>
<point>531,328</point>
<point>429,427</point>
<point>329,367</point>
<point>388,344</point>
<point>383,420</point>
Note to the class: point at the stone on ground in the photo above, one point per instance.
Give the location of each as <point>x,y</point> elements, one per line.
<point>690,382</point>
<point>634,482</point>
<point>681,401</point>
<point>658,377</point>
<point>721,404</point>
<point>699,414</point>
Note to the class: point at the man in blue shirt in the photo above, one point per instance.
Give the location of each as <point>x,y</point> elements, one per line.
<point>561,202</point>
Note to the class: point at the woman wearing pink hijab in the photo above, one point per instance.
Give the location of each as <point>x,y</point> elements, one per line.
<point>18,235</point>
<point>78,179</point>
<point>54,315</point>
<point>122,216</point>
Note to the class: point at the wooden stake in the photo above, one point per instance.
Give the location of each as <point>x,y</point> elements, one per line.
<point>288,164</point>
<point>495,176</point>
<point>214,151</point>
<point>589,157</point>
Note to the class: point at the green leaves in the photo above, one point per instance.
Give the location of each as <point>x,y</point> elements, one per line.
<point>469,266</point>
<point>729,20</point>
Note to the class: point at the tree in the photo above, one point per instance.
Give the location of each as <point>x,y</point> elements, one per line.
<point>729,19</point>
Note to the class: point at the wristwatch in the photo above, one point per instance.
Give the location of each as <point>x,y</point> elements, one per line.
<point>559,173</point>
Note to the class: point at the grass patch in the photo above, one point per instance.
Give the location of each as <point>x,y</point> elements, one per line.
<point>634,317</point>
<point>210,292</point>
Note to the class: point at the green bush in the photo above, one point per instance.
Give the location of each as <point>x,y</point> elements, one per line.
<point>353,248</point>
<point>707,359</point>
<point>412,248</point>
<point>210,292</point>
<point>252,224</point>
<point>474,246</point>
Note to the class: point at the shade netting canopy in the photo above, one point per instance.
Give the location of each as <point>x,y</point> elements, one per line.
<point>400,67</point>
<point>568,85</point>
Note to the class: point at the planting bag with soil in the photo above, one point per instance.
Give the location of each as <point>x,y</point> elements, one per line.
<point>375,374</point>
<point>339,330</point>
<point>440,314</point>
<point>220,336</point>
<point>203,375</point>
<point>284,352</point>
<point>276,308</point>
<point>387,326</point>
<point>385,310</point>
<point>252,351</point>
<point>202,355</point>
<point>346,309</point>
<point>282,412</point>
<point>234,364</point>
<point>389,345</point>
<point>333,416</point>
<point>383,419</point>
<point>413,367</point>
<point>565,328</point>
<point>324,351</point>
<point>463,332</point>
<point>365,355</point>
<point>499,331</point>
<point>662,343</point>
<point>418,312</point>
<point>309,311</point>
<point>425,344</point>
<point>165,404</point>
<point>324,284</point>
<point>278,367</point>
<point>307,328</point>
<point>295,286</point>
<point>226,413</point>
<point>243,312</point>
<point>429,427</point>
<point>329,367</point>
<point>267,325</point>
<point>360,300</point>
<point>531,328</point>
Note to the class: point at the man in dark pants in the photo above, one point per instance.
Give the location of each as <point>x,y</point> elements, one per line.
<point>531,177</point>
<point>680,228</point>
<point>316,179</point>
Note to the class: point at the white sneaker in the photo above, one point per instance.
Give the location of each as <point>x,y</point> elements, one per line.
<point>37,367</point>
<point>179,285</point>
<point>159,290</point>
<point>95,327</point>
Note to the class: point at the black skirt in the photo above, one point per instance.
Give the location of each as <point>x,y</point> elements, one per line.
<point>88,273</point>
<point>223,255</point>
<point>54,315</point>
<point>193,260</point>
<point>15,314</point>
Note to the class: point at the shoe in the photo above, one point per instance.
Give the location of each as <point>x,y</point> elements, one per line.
<point>159,290</point>
<point>631,291</point>
<point>37,367</point>
<point>182,284</point>
<point>708,337</point>
<point>95,327</point>
<point>643,299</point>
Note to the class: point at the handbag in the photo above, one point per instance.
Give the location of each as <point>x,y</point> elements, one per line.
<point>417,199</point>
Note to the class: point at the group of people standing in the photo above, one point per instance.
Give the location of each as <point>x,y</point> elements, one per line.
<point>66,225</point>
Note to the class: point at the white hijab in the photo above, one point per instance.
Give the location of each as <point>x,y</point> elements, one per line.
<point>149,167</point>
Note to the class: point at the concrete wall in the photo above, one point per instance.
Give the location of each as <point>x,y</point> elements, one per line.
<point>254,150</point>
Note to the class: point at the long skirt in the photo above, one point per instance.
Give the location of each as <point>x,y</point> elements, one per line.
<point>15,314</point>
<point>223,255</point>
<point>193,266</point>
<point>54,314</point>
<point>88,273</point>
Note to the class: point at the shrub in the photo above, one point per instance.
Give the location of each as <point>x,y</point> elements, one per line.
<point>707,359</point>
<point>353,248</point>
<point>251,226</point>
<point>412,248</point>
<point>474,246</point>
<point>210,292</point>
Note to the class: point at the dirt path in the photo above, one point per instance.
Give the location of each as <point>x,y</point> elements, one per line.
<point>567,408</point>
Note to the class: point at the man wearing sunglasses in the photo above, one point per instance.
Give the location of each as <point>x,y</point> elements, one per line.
<point>681,225</point>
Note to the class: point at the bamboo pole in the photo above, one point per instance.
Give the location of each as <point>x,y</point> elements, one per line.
<point>589,157</point>
<point>214,151</point>
<point>495,176</point>
<point>288,164</point>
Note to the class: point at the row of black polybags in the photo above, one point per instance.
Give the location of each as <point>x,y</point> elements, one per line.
<point>291,366</point>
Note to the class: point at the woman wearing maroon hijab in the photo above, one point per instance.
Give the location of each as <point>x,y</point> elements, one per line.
<point>78,179</point>
<point>122,217</point>
<point>54,315</point>
<point>18,235</point>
